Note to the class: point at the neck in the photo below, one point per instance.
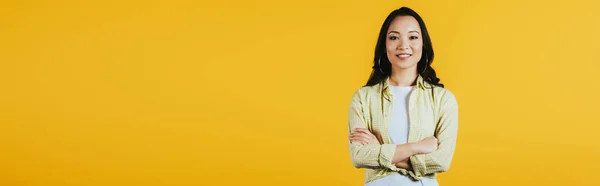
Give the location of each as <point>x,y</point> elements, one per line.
<point>405,77</point>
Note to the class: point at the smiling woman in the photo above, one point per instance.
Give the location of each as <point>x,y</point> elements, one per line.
<point>403,123</point>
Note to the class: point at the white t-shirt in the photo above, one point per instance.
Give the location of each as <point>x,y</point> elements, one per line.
<point>398,132</point>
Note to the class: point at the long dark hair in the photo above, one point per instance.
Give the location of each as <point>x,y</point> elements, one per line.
<point>382,67</point>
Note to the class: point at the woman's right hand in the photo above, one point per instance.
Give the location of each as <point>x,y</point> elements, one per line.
<point>426,145</point>
<point>364,136</point>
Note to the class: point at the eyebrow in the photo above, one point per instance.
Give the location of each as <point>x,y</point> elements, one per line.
<point>408,32</point>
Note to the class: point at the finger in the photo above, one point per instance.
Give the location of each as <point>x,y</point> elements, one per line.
<point>367,132</point>
<point>366,136</point>
<point>359,140</point>
<point>357,129</point>
<point>364,132</point>
<point>356,138</point>
<point>363,136</point>
<point>359,134</point>
<point>355,135</point>
<point>361,130</point>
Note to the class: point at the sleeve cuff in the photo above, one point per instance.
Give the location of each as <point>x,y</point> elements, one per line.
<point>418,166</point>
<point>386,155</point>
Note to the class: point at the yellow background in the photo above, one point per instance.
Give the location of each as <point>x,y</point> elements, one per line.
<point>257,92</point>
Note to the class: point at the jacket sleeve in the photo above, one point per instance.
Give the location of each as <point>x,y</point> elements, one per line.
<point>446,133</point>
<point>367,156</point>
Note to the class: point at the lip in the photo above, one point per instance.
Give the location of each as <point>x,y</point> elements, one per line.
<point>404,56</point>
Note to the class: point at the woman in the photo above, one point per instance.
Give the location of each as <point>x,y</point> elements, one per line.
<point>403,123</point>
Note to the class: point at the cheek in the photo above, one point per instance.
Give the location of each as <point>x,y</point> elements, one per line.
<point>417,46</point>
<point>390,46</point>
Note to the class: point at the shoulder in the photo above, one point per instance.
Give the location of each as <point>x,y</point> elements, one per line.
<point>366,91</point>
<point>444,97</point>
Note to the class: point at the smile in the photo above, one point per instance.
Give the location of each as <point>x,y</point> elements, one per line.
<point>404,56</point>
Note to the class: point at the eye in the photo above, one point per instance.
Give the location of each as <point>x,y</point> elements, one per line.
<point>393,38</point>
<point>413,37</point>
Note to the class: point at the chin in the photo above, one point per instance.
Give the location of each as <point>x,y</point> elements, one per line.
<point>405,64</point>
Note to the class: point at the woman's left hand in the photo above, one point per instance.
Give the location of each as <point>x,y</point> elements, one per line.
<point>364,136</point>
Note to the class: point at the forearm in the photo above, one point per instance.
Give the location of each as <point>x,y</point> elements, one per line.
<point>434,162</point>
<point>388,156</point>
<point>403,152</point>
<point>366,156</point>
<point>439,160</point>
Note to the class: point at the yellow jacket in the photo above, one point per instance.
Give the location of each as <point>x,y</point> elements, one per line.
<point>433,111</point>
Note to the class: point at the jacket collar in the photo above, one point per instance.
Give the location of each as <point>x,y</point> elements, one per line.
<point>420,84</point>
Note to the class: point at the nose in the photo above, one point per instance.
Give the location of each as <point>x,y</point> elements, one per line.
<point>404,45</point>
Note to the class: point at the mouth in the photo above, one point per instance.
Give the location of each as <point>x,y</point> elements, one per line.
<point>404,56</point>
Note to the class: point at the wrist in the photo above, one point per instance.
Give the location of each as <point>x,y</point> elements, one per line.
<point>409,149</point>
<point>414,148</point>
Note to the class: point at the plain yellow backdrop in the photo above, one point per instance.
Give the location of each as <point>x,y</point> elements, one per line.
<point>257,92</point>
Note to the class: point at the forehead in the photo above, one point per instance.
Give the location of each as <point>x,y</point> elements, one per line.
<point>404,24</point>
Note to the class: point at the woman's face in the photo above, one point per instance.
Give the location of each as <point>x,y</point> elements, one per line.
<point>404,45</point>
